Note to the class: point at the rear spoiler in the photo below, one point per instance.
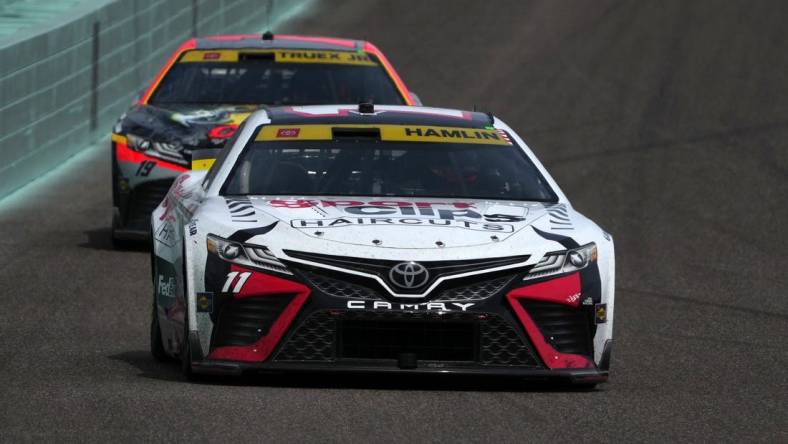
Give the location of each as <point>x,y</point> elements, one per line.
<point>204,159</point>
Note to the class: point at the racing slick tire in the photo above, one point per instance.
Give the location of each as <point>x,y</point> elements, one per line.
<point>186,351</point>
<point>156,346</point>
<point>118,243</point>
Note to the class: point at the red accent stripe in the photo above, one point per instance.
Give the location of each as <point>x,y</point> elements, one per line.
<point>564,290</point>
<point>125,154</point>
<point>261,284</point>
<point>306,38</point>
<point>370,48</point>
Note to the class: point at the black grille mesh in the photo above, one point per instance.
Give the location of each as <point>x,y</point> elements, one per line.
<point>313,341</point>
<point>476,291</point>
<point>498,344</point>
<point>501,345</point>
<point>567,329</point>
<point>244,321</point>
<point>341,288</point>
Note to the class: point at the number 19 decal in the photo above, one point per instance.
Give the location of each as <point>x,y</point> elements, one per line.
<point>145,168</point>
<point>239,283</point>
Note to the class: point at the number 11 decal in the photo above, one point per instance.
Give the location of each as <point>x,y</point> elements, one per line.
<point>239,283</point>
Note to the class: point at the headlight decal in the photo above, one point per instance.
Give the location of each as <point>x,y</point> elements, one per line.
<point>248,255</point>
<point>564,262</point>
<point>125,154</point>
<point>166,151</point>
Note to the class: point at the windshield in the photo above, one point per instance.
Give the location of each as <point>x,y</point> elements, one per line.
<point>275,78</point>
<point>374,168</point>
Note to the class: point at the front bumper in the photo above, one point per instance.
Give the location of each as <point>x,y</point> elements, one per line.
<point>316,328</point>
<point>139,184</point>
<point>231,368</point>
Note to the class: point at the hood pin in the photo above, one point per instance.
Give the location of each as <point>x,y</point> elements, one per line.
<point>376,241</point>
<point>440,244</point>
<point>494,238</point>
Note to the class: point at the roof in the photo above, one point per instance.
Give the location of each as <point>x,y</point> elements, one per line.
<point>280,41</point>
<point>382,115</point>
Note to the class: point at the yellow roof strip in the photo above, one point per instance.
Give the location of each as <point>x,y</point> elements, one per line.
<point>388,133</point>
<point>281,56</point>
<point>202,164</point>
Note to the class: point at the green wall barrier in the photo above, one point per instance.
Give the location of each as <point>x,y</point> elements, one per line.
<point>65,81</point>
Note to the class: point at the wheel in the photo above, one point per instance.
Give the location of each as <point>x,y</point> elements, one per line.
<point>186,348</point>
<point>186,353</point>
<point>156,345</point>
<point>117,242</point>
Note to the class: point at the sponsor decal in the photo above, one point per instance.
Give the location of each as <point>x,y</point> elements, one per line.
<point>336,57</point>
<point>281,56</point>
<point>204,302</point>
<point>222,131</point>
<point>401,221</point>
<point>166,234</point>
<point>192,228</point>
<point>588,301</point>
<point>423,306</point>
<point>287,132</point>
<point>600,313</point>
<point>389,133</point>
<point>166,286</point>
<point>437,214</point>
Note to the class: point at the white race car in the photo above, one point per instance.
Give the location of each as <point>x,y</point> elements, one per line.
<point>379,239</point>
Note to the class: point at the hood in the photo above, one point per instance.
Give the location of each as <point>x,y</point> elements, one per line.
<point>420,223</point>
<point>195,126</point>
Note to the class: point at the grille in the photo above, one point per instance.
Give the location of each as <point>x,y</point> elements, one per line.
<point>567,329</point>
<point>381,268</point>
<point>476,291</point>
<point>143,200</point>
<point>245,321</point>
<point>501,345</point>
<point>480,339</point>
<point>313,341</point>
<point>340,288</point>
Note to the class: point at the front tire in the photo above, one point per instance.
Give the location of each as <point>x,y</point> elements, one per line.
<point>156,345</point>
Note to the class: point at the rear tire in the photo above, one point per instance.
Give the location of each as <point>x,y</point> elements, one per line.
<point>117,242</point>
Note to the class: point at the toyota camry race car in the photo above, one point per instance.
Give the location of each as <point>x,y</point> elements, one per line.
<point>210,85</point>
<point>379,239</point>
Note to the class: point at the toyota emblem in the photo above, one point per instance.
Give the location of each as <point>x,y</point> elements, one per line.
<point>409,275</point>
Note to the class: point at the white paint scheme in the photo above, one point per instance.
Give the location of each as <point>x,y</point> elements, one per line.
<point>192,201</point>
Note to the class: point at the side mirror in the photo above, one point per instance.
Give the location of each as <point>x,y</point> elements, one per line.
<point>416,99</point>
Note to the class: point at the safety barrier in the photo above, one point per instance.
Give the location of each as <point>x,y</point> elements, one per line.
<point>63,84</point>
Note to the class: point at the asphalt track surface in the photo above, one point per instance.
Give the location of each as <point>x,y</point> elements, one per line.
<point>665,122</point>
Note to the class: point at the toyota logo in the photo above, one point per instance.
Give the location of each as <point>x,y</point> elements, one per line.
<point>409,275</point>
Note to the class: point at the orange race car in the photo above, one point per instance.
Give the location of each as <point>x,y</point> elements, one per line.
<point>210,85</point>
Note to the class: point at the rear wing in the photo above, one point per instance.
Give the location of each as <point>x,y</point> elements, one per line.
<point>203,159</point>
